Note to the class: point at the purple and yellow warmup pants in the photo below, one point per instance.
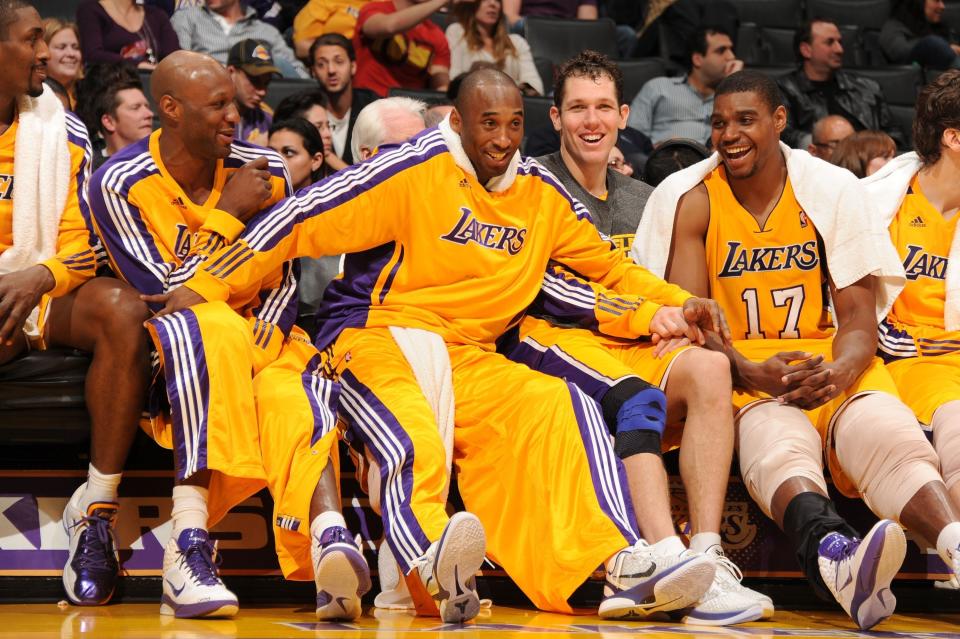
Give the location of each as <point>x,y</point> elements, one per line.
<point>533,457</point>
<point>259,417</point>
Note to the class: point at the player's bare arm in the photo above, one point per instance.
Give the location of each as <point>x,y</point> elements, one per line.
<point>853,348</point>
<point>687,267</point>
<point>20,292</point>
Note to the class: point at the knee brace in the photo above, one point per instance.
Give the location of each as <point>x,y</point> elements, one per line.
<point>636,414</point>
<point>881,447</point>
<point>946,441</point>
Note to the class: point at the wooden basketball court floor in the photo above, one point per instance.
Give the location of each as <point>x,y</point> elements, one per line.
<point>142,621</point>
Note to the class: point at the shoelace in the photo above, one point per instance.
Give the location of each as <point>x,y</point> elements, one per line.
<point>847,548</point>
<point>95,545</point>
<point>732,569</point>
<point>202,560</point>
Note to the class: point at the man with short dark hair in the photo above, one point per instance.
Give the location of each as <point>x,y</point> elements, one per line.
<point>680,107</point>
<point>110,101</point>
<point>819,87</point>
<point>49,296</point>
<point>251,69</point>
<point>333,63</point>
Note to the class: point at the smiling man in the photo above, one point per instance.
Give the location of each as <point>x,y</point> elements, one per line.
<point>247,406</point>
<point>760,233</point>
<point>535,466</point>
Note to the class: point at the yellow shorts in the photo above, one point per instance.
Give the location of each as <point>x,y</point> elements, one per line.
<point>258,419</point>
<point>927,383</point>
<point>534,462</point>
<point>875,378</point>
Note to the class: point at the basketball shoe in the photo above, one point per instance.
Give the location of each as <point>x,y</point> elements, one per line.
<point>340,573</point>
<point>647,579</point>
<point>859,572</point>
<point>442,582</point>
<point>90,575</point>
<point>191,581</point>
<point>728,601</point>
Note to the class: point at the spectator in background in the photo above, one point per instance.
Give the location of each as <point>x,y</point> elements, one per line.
<point>318,17</point>
<point>65,65</point>
<point>313,107</point>
<point>618,163</point>
<point>479,33</point>
<point>251,68</point>
<point>218,25</point>
<point>437,110</point>
<point>819,87</point>
<point>299,143</point>
<point>681,107</point>
<point>517,10</point>
<point>398,46</point>
<point>387,121</point>
<point>672,156</point>
<point>864,152</point>
<point>111,103</point>
<point>125,31</point>
<point>916,33</point>
<point>333,63</point>
<point>827,133</point>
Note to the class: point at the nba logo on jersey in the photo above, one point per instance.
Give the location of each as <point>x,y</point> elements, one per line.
<point>803,220</point>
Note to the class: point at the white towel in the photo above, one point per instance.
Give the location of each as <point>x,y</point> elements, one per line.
<point>41,181</point>
<point>887,188</point>
<point>496,184</point>
<point>855,242</point>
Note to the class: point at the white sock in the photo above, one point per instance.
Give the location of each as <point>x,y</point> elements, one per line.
<point>99,488</point>
<point>701,541</point>
<point>948,542</point>
<point>189,508</point>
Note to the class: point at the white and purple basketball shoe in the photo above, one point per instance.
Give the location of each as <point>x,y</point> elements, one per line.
<point>90,575</point>
<point>340,573</point>
<point>191,582</point>
<point>728,601</point>
<point>859,572</point>
<point>647,579</point>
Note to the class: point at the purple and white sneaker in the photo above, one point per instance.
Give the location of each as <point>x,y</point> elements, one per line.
<point>341,574</point>
<point>647,579</point>
<point>90,575</point>
<point>191,581</point>
<point>858,573</point>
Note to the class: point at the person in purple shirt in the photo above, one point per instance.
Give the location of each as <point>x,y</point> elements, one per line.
<point>125,31</point>
<point>516,10</point>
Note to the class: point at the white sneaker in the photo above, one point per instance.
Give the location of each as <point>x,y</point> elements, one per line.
<point>858,573</point>
<point>341,575</point>
<point>447,570</point>
<point>647,579</point>
<point>191,582</point>
<point>727,601</point>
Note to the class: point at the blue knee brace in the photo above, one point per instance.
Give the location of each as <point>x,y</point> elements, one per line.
<point>640,417</point>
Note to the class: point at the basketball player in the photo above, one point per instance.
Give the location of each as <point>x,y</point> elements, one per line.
<point>618,371</point>
<point>48,294</point>
<point>466,229</point>
<point>248,405</point>
<point>808,387</point>
<point>919,197</point>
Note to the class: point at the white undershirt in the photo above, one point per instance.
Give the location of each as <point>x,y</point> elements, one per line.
<point>338,127</point>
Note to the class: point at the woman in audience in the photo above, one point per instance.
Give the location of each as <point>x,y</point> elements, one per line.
<point>917,33</point>
<point>864,152</point>
<point>302,149</point>
<point>65,65</point>
<point>125,31</point>
<point>312,106</point>
<point>480,34</point>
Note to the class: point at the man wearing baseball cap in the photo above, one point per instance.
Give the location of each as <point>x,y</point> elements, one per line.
<point>251,67</point>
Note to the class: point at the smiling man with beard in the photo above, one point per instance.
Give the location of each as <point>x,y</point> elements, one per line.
<point>774,235</point>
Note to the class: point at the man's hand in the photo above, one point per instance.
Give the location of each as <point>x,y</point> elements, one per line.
<point>732,67</point>
<point>669,322</point>
<point>20,292</point>
<point>811,389</point>
<point>246,190</point>
<point>665,346</point>
<point>176,300</point>
<point>774,375</point>
<point>706,314</point>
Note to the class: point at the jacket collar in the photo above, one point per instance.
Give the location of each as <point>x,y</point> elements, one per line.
<point>496,184</point>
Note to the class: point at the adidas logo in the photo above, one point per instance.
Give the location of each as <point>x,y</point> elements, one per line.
<point>918,222</point>
<point>464,183</point>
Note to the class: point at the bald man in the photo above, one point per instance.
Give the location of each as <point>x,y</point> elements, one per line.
<point>535,465</point>
<point>247,405</point>
<point>827,133</point>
